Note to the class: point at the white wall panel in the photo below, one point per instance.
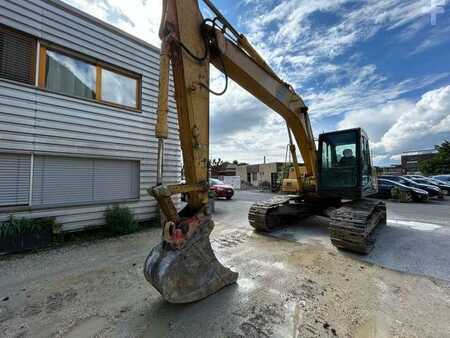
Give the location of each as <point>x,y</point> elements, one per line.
<point>40,122</point>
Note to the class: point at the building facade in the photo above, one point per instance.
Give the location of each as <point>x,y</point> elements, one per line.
<point>258,174</point>
<point>395,170</point>
<point>410,160</point>
<point>78,102</point>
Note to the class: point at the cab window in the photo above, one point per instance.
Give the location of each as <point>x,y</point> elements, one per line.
<point>339,160</point>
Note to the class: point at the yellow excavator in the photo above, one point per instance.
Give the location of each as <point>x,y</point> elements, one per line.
<point>336,180</point>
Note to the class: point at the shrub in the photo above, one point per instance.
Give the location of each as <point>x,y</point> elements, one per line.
<point>120,220</point>
<point>15,227</point>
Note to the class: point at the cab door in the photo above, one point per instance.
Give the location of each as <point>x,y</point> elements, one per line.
<point>368,174</point>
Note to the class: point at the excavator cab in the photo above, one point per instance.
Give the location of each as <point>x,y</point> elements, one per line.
<point>345,165</point>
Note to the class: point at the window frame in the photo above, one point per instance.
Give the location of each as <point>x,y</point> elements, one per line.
<point>44,46</point>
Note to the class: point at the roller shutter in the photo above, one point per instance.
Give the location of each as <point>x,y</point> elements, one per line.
<point>70,180</point>
<point>14,179</point>
<point>17,56</point>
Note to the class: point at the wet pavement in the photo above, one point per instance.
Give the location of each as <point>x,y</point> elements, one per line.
<point>291,284</point>
<point>416,240</point>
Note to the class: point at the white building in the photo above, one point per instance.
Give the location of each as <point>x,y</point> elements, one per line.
<point>77,113</point>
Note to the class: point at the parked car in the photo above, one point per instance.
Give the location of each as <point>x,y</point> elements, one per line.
<point>445,187</point>
<point>442,178</point>
<point>432,190</point>
<point>385,188</point>
<point>221,189</point>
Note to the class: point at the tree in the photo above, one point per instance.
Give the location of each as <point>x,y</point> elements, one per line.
<point>439,164</point>
<point>216,166</point>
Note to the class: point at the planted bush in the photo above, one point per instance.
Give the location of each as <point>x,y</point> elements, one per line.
<point>14,226</point>
<point>25,234</point>
<point>120,220</point>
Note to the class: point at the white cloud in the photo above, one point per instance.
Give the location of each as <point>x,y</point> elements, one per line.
<point>429,117</point>
<point>403,125</point>
<point>376,121</point>
<point>140,18</point>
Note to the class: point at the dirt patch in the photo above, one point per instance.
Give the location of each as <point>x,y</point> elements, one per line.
<point>229,240</point>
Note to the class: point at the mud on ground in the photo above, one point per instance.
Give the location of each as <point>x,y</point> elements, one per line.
<point>285,289</point>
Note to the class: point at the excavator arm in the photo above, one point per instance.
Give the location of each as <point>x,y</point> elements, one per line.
<point>190,44</point>
<point>183,268</point>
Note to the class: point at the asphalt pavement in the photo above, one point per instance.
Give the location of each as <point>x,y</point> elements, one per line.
<point>416,239</point>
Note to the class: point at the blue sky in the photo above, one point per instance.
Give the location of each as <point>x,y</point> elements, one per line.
<point>379,64</point>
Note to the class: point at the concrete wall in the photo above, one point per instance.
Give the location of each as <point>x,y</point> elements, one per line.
<point>34,121</point>
<point>266,170</point>
<point>241,171</point>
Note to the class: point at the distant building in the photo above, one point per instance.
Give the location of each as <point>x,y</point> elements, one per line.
<point>258,174</point>
<point>395,170</point>
<point>410,160</point>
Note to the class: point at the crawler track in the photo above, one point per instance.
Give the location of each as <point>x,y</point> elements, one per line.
<point>355,225</point>
<point>278,211</point>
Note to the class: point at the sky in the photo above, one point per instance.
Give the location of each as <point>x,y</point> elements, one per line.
<point>378,64</point>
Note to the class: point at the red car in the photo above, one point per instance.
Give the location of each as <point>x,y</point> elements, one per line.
<point>221,189</point>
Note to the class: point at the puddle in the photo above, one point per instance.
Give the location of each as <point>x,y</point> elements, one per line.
<point>416,225</point>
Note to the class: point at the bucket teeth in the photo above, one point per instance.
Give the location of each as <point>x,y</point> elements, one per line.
<point>188,274</point>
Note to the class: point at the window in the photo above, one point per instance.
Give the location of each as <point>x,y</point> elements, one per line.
<point>69,73</point>
<point>119,89</point>
<point>339,164</point>
<point>69,180</point>
<point>14,179</point>
<point>17,56</point>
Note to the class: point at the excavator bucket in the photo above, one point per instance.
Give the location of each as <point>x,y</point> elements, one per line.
<point>188,274</point>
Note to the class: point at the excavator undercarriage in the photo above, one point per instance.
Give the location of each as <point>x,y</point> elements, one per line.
<point>352,226</point>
